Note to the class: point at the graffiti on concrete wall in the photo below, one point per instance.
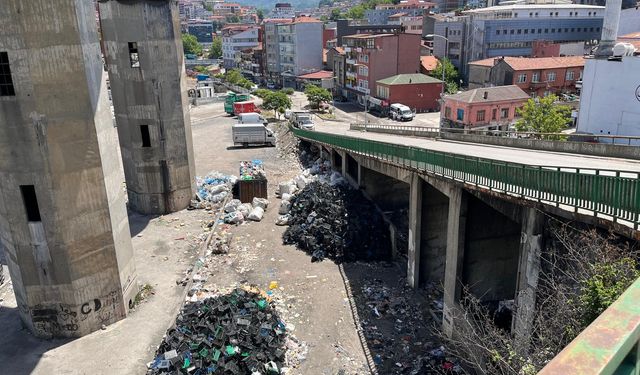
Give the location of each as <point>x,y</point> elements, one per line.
<point>63,319</point>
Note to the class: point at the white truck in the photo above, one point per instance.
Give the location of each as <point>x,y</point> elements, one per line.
<point>251,118</point>
<point>302,120</point>
<point>252,134</point>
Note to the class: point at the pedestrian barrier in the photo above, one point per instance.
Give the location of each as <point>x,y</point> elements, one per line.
<point>609,194</point>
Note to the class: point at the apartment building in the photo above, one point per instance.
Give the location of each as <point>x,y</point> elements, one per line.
<point>536,76</point>
<point>373,57</point>
<point>511,30</point>
<point>236,38</point>
<point>283,10</point>
<point>411,24</point>
<point>203,30</point>
<point>293,47</point>
<point>380,15</point>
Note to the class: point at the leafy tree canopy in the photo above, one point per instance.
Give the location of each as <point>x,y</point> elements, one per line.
<point>543,116</point>
<point>451,76</point>
<point>190,45</point>
<point>316,94</point>
<point>216,48</point>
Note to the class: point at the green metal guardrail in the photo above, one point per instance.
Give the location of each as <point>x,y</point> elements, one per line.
<point>609,346</point>
<point>613,195</point>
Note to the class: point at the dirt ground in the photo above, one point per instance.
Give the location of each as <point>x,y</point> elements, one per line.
<point>356,318</point>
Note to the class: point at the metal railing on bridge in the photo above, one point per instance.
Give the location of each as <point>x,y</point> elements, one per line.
<point>611,344</point>
<point>608,194</point>
<point>428,131</point>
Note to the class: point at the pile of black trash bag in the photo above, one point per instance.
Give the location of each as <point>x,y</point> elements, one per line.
<point>337,222</point>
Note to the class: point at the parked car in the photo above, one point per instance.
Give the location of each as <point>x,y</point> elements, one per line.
<point>306,124</point>
<point>400,112</point>
<point>271,85</point>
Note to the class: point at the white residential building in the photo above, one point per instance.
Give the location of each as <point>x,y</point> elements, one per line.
<point>293,48</point>
<point>235,38</point>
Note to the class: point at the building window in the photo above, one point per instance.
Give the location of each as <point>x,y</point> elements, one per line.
<point>597,29</point>
<point>494,114</point>
<point>383,92</point>
<point>546,31</point>
<point>146,137</point>
<point>512,31</point>
<point>533,31</point>
<point>573,29</point>
<point>363,70</point>
<point>504,113</point>
<point>553,31</point>
<point>134,59</point>
<point>371,43</point>
<point>460,114</point>
<point>30,201</point>
<point>551,76</point>
<point>447,112</point>
<point>570,75</point>
<point>536,14</point>
<point>556,14</point>
<point>579,29</point>
<point>570,13</point>
<point>539,31</point>
<point>526,31</point>
<point>6,82</point>
<point>522,78</point>
<point>480,116</point>
<point>519,31</point>
<point>497,32</point>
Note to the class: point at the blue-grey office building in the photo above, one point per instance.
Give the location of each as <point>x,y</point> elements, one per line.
<point>510,30</point>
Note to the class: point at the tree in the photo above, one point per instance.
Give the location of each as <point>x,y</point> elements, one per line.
<point>336,14</point>
<point>356,12</point>
<point>581,274</point>
<point>260,13</point>
<point>233,19</point>
<point>190,45</point>
<point>542,115</point>
<point>276,101</point>
<point>316,94</point>
<point>216,48</point>
<point>451,76</point>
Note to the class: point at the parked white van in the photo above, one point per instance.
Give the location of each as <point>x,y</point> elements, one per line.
<point>251,118</point>
<point>400,112</point>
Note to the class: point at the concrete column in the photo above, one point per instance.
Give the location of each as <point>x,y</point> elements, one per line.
<point>143,51</point>
<point>456,225</point>
<point>63,220</point>
<point>415,230</point>
<point>531,245</point>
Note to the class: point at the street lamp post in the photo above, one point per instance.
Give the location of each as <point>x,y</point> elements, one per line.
<point>446,48</point>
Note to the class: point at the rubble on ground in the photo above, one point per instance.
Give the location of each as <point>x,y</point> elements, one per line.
<point>337,222</point>
<point>408,348</point>
<point>212,189</point>
<point>238,332</point>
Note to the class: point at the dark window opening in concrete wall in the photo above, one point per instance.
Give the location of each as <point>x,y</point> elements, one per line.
<point>30,203</point>
<point>146,137</point>
<point>6,82</point>
<point>433,235</point>
<point>133,55</point>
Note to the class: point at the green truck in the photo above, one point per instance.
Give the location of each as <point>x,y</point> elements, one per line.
<point>232,97</point>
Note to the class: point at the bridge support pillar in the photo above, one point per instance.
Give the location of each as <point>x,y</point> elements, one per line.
<point>531,244</point>
<point>415,230</point>
<point>456,227</point>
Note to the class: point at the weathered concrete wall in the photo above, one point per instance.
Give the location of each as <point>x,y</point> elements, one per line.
<point>491,253</point>
<point>159,175</point>
<point>72,269</point>
<point>433,238</point>
<point>389,193</point>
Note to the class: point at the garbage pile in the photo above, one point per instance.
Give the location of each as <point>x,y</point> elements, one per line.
<point>252,170</point>
<point>336,221</point>
<point>396,328</point>
<point>237,212</point>
<point>213,188</point>
<point>235,333</point>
